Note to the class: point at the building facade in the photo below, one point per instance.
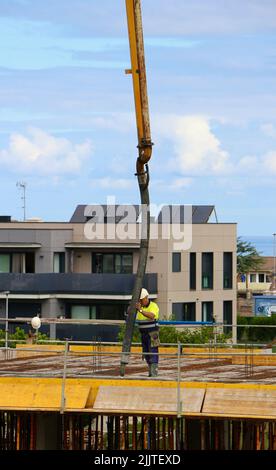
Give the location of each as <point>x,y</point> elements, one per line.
<point>256,283</point>
<point>64,270</point>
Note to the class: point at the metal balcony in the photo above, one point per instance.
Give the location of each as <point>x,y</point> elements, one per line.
<point>74,283</point>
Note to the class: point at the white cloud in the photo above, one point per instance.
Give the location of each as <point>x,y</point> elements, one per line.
<point>261,165</point>
<point>121,122</point>
<point>181,183</point>
<point>269,129</point>
<point>247,164</point>
<point>197,150</point>
<point>269,161</point>
<point>112,183</point>
<point>41,153</point>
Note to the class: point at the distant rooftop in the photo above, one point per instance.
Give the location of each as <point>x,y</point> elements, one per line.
<point>131,214</point>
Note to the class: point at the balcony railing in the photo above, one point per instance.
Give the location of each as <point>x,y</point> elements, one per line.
<point>76,283</point>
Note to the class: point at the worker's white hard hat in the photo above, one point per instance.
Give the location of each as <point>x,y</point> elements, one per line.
<point>144,293</point>
<point>36,323</point>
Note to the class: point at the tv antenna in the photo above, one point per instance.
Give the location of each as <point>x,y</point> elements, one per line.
<point>22,187</point>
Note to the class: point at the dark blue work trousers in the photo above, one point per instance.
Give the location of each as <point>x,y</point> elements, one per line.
<point>147,348</point>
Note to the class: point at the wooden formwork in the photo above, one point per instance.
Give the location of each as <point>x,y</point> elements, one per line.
<point>75,431</point>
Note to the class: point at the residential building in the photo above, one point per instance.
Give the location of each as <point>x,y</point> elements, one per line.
<point>254,283</point>
<point>60,269</point>
<point>257,281</point>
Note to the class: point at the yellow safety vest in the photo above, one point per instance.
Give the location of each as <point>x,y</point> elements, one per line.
<point>145,322</point>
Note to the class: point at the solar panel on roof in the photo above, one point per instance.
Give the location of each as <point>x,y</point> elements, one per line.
<point>130,214</point>
<point>202,214</point>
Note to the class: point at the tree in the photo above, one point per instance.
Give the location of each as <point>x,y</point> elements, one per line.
<point>248,258</point>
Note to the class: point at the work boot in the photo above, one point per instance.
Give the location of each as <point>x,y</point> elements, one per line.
<point>153,370</point>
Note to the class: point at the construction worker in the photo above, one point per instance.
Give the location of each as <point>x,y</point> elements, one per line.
<point>147,319</point>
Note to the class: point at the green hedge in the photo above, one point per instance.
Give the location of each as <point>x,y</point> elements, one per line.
<point>256,335</point>
<point>21,336</point>
<point>169,334</point>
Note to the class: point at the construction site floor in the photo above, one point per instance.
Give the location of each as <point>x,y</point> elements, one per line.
<point>192,368</point>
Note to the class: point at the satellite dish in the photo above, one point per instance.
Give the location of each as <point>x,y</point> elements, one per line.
<point>36,323</point>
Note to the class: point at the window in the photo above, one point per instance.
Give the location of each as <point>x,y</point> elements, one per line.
<point>106,311</point>
<point>5,263</point>
<point>22,262</point>
<point>253,277</point>
<point>83,312</point>
<point>111,311</point>
<point>176,262</point>
<point>59,262</point>
<point>193,271</point>
<point>184,311</point>
<point>30,262</point>
<point>227,270</point>
<point>207,311</point>
<point>207,270</point>
<point>108,264</point>
<point>113,263</point>
<point>123,264</point>
<point>261,277</point>
<point>227,316</point>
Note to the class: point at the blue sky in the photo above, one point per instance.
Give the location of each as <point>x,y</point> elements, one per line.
<point>67,123</point>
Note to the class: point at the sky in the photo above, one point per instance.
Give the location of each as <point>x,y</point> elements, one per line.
<point>67,121</point>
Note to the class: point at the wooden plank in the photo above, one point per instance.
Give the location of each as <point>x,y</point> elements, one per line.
<point>44,395</point>
<point>148,399</point>
<point>246,402</point>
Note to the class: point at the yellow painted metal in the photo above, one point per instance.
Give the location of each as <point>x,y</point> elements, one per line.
<point>49,349</point>
<point>30,350</point>
<point>260,360</point>
<point>134,67</point>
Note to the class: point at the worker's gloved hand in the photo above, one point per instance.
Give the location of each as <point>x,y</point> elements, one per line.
<point>138,306</point>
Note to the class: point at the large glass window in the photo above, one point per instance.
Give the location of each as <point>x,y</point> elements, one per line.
<point>227,316</point>
<point>105,311</point>
<point>111,312</point>
<point>5,263</point>
<point>83,312</point>
<point>193,271</point>
<point>59,262</point>
<point>253,277</point>
<point>176,262</point>
<point>227,270</point>
<point>207,270</point>
<point>207,311</point>
<point>185,311</point>
<point>113,263</point>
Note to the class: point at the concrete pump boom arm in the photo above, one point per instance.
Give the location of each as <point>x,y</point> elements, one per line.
<point>138,71</point>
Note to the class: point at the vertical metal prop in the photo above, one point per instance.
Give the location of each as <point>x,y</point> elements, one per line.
<point>179,403</point>
<point>63,398</point>
<point>18,431</point>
